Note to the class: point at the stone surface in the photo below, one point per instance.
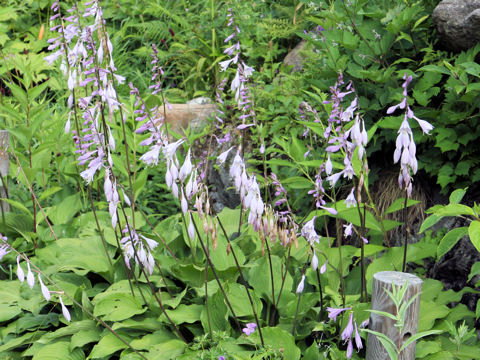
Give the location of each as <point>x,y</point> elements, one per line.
<point>194,113</point>
<point>458,23</point>
<point>222,189</point>
<point>294,58</point>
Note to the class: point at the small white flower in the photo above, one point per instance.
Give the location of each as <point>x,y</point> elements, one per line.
<point>45,291</point>
<point>30,277</point>
<point>20,273</point>
<point>301,285</point>
<point>65,312</point>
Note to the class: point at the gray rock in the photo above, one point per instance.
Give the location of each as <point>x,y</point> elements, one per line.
<point>458,23</point>
<point>222,191</point>
<point>294,57</point>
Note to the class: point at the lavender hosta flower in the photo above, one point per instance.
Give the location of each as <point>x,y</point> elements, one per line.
<point>45,291</point>
<point>138,247</point>
<point>334,312</point>
<point>405,149</point>
<point>186,168</point>
<point>254,202</point>
<point>65,312</point>
<point>348,230</point>
<point>314,261</point>
<point>249,329</point>
<point>358,339</point>
<point>301,285</point>
<point>192,185</point>
<point>184,203</point>
<point>20,273</point>
<point>350,200</point>
<point>349,349</point>
<point>328,165</point>
<point>348,331</point>
<point>191,228</point>
<point>30,277</point>
<point>4,250</point>
<point>309,233</point>
<point>324,267</point>
<point>262,148</point>
<point>223,156</point>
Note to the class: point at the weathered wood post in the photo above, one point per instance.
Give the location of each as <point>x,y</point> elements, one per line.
<point>382,302</point>
<point>4,167</point>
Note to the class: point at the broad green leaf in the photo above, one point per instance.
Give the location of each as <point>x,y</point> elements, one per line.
<point>56,351</point>
<point>117,307</point>
<point>167,350</point>
<point>183,314</point>
<point>18,93</point>
<point>423,348</point>
<point>84,337</point>
<point>386,342</point>
<point>474,233</point>
<point>399,204</point>
<point>419,336</point>
<point>66,210</point>
<point>278,339</point>
<point>450,240</point>
<point>217,314</point>
<point>49,192</point>
<point>147,341</point>
<point>239,300</point>
<point>108,345</point>
<point>475,270</point>
<point>259,277</point>
<point>457,195</point>
<point>454,210</point>
<point>383,313</point>
<point>80,255</point>
<point>73,328</point>
<point>429,222</point>
<point>435,68</point>
<point>18,341</point>
<point>35,91</point>
<point>17,205</point>
<point>8,312</point>
<point>429,312</point>
<point>297,182</point>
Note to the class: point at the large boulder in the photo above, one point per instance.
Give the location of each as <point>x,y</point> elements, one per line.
<point>458,23</point>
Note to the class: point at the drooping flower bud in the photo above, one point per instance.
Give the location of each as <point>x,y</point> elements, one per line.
<point>30,277</point>
<point>20,273</point>
<point>65,312</point>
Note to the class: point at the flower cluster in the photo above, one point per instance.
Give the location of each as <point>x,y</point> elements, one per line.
<point>351,330</point>
<point>152,123</point>
<point>249,329</point>
<point>242,74</point>
<point>405,146</point>
<point>90,70</point>
<point>138,247</point>
<point>30,278</point>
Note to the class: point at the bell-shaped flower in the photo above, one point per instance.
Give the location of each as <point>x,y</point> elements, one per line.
<point>30,277</point>
<point>65,312</point>
<point>20,273</point>
<point>45,291</point>
<point>301,285</point>
<point>186,168</point>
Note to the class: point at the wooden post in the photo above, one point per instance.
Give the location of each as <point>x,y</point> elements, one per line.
<point>4,167</point>
<point>382,302</point>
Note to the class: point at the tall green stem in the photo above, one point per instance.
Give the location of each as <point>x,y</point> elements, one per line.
<point>243,281</point>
